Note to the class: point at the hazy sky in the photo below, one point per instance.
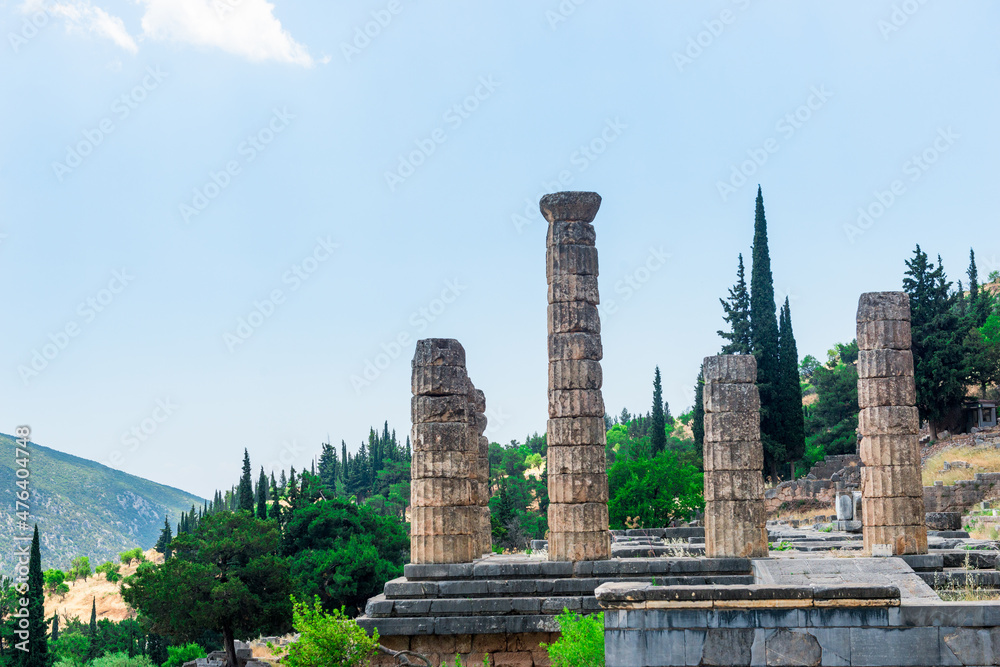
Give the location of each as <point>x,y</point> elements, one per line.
<point>216,215</point>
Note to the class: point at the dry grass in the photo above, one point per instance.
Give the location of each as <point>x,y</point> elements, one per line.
<point>970,591</point>
<point>982,530</point>
<point>97,588</point>
<point>807,516</point>
<point>981,459</point>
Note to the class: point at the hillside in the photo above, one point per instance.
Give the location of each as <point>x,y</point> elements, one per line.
<point>97,589</point>
<point>84,508</point>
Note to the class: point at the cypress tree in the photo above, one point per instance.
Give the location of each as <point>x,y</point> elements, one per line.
<point>698,419</point>
<point>92,651</point>
<point>36,643</point>
<point>246,486</point>
<point>764,335</point>
<point>55,627</point>
<point>659,437</point>
<point>328,467</point>
<point>793,426</point>
<point>163,542</point>
<point>980,300</point>
<point>737,309</point>
<point>262,496</point>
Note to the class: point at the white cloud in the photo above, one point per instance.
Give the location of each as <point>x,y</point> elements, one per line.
<point>246,28</point>
<point>80,16</point>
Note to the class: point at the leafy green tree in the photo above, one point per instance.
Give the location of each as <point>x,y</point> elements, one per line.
<point>53,578</point>
<point>70,649</point>
<point>980,301</point>
<point>581,643</point>
<point>790,391</point>
<point>764,334</point>
<point>737,315</point>
<point>832,421</point>
<point>111,571</point>
<point>38,626</point>
<point>226,576</point>
<point>807,367</point>
<point>122,660</point>
<point>246,486</point>
<point>328,467</point>
<point>653,490</point>
<point>136,554</point>
<point>659,435</point>
<point>939,363</point>
<point>80,568</point>
<point>328,639</point>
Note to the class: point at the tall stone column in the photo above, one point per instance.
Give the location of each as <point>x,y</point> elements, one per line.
<point>735,516</point>
<point>481,469</point>
<point>444,517</point>
<point>892,508</point>
<point>578,480</point>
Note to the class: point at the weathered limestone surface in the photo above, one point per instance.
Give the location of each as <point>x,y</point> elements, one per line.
<point>578,481</point>
<point>734,488</point>
<point>893,507</point>
<point>446,473</point>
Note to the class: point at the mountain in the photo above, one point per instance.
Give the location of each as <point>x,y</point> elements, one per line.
<point>83,508</point>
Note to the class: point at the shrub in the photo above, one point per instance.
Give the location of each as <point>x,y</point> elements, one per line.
<point>111,571</point>
<point>80,567</point>
<point>653,491</point>
<point>132,554</point>
<point>121,660</point>
<point>582,641</point>
<point>70,650</point>
<point>178,655</point>
<point>328,639</point>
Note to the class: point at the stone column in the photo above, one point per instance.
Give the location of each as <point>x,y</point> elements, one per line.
<point>444,518</point>
<point>735,516</point>
<point>578,479</point>
<point>481,470</point>
<point>892,510</point>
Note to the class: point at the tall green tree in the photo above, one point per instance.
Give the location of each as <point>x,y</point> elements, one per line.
<point>262,495</point>
<point>328,467</point>
<point>939,363</point>
<point>246,486</point>
<point>764,334</point>
<point>163,542</point>
<point>225,576</point>
<point>737,315</point>
<point>980,305</point>
<point>658,441</point>
<point>92,630</point>
<point>793,436</point>
<point>698,418</point>
<point>36,643</point>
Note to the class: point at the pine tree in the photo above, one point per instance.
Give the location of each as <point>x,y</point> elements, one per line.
<point>36,643</point>
<point>793,427</point>
<point>55,626</point>
<point>163,542</point>
<point>698,418</point>
<point>658,423</point>
<point>764,334</point>
<point>939,366</point>
<point>262,496</point>
<point>328,467</point>
<point>980,300</point>
<point>246,486</point>
<point>737,309</point>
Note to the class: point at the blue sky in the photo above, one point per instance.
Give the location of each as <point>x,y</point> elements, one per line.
<point>340,177</point>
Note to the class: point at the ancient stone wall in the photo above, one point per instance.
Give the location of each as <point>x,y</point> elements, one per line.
<point>734,488</point>
<point>893,506</point>
<point>817,488</point>
<point>578,481</point>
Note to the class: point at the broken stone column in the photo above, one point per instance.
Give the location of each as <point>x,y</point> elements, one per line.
<point>481,469</point>
<point>444,516</point>
<point>735,516</point>
<point>893,507</point>
<point>578,480</point>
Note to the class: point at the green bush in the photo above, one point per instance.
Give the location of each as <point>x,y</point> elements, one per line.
<point>127,557</point>
<point>121,660</point>
<point>111,571</point>
<point>70,650</point>
<point>582,641</point>
<point>328,639</point>
<point>178,655</point>
<point>653,490</point>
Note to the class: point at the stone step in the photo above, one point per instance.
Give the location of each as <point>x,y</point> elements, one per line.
<point>523,567</point>
<point>404,589</point>
<point>381,607</point>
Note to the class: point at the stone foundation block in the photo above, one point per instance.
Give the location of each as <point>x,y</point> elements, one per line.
<point>735,529</point>
<point>908,539</point>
